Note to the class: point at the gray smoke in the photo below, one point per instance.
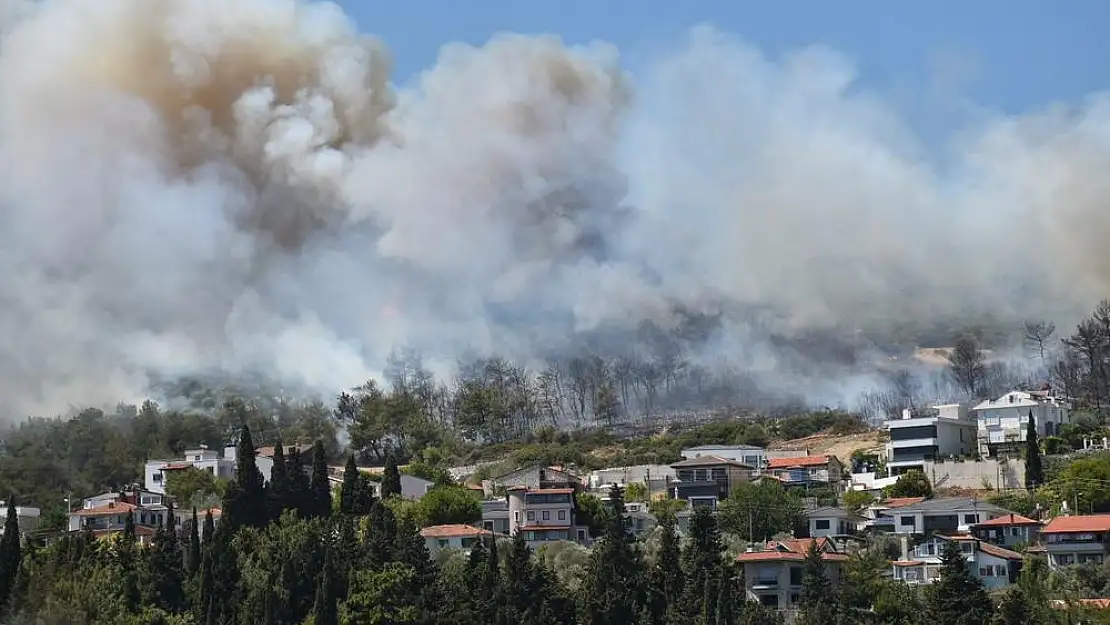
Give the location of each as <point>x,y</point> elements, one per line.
<point>196,185</point>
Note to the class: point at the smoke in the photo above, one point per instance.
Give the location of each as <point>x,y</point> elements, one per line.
<point>197,185</point>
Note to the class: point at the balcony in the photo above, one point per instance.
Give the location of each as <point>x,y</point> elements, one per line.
<point>913,442</point>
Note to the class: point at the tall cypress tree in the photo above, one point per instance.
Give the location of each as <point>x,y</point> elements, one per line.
<point>127,561</point>
<point>165,585</point>
<point>277,490</point>
<point>351,496</point>
<point>324,609</point>
<point>391,477</point>
<point>818,603</point>
<point>300,495</point>
<point>665,576</point>
<point>192,560</point>
<point>245,502</point>
<point>701,560</point>
<point>10,553</point>
<point>1034,469</point>
<point>320,487</point>
<point>613,575</point>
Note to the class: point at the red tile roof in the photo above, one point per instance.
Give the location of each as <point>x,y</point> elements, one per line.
<point>552,491</point>
<point>454,530</point>
<point>174,466</point>
<point>1078,524</point>
<point>786,556</point>
<point>907,563</point>
<point>115,507</point>
<point>898,502</point>
<point>799,545</point>
<point>802,461</point>
<point>1008,520</point>
<point>999,552</point>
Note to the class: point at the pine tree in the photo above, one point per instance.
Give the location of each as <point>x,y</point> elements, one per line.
<point>245,501</point>
<point>957,597</point>
<point>665,577</point>
<point>727,591</point>
<point>818,603</point>
<point>324,608</point>
<point>277,490</point>
<point>1034,468</point>
<point>320,487</point>
<point>701,560</point>
<point>10,556</point>
<point>391,478</point>
<point>300,495</point>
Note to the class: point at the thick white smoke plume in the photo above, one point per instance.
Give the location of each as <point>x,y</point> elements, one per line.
<point>189,185</point>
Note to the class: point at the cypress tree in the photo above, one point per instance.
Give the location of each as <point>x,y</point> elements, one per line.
<point>320,487</point>
<point>665,577</point>
<point>300,496</point>
<point>382,530</point>
<point>192,561</point>
<point>277,490</point>
<point>10,553</point>
<point>391,478</point>
<point>701,560</point>
<point>324,609</point>
<point>613,580</point>
<point>245,502</point>
<point>350,495</point>
<point>165,586</point>
<point>127,563</point>
<point>1034,468</point>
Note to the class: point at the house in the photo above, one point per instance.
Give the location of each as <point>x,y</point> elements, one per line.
<point>995,566</point>
<point>707,480</point>
<point>182,517</point>
<point>545,514</point>
<point>637,518</point>
<point>264,458</point>
<point>831,521</point>
<point>916,440</point>
<point>750,455</point>
<point>26,516</point>
<point>1002,422</point>
<point>535,477</point>
<point>655,477</point>
<point>1008,531</point>
<point>412,487</point>
<point>773,572</point>
<point>454,536</point>
<point>949,515</point>
<point>1072,540</point>
<point>877,515</point>
<point>107,514</point>
<point>495,516</point>
<point>156,472</point>
<point>822,470</point>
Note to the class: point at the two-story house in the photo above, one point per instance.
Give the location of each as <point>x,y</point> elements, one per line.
<point>750,455</point>
<point>816,471</point>
<point>495,515</point>
<point>107,514</point>
<point>773,572</point>
<point>1008,531</point>
<point>545,514</point>
<point>708,480</point>
<point>829,521</point>
<point>1072,540</point>
<point>995,566</point>
<point>917,439</point>
<point>949,515</point>
<point>1002,422</point>
<point>221,466</point>
<point>452,536</point>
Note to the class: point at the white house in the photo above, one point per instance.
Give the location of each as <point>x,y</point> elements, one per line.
<point>1076,539</point>
<point>830,521</point>
<point>157,471</point>
<point>955,514</point>
<point>454,536</point>
<point>1002,422</point>
<point>916,440</point>
<point>655,477</point>
<point>27,517</point>
<point>995,566</point>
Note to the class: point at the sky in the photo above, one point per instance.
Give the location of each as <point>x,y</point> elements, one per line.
<point>1008,56</point>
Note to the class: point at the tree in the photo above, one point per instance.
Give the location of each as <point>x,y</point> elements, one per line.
<point>391,478</point>
<point>277,490</point>
<point>10,556</point>
<point>324,609</point>
<point>1034,469</point>
<point>1013,609</point>
<point>355,495</point>
<point>701,563</point>
<point>967,366</point>
<point>1037,336</point>
<point>245,501</point>
<point>912,483</point>
<point>957,597</point>
<point>665,582</point>
<point>192,560</point>
<point>759,510</point>
<point>857,500</point>
<point>194,487</point>
<point>818,603</point>
<point>613,580</point>
<point>449,504</point>
<point>319,485</point>
<point>165,571</point>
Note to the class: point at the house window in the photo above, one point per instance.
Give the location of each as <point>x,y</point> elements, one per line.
<point>967,547</point>
<point>987,571</point>
<point>546,515</point>
<point>516,515</point>
<point>821,524</point>
<point>1065,559</point>
<point>442,542</point>
<point>1015,531</point>
<point>562,515</point>
<point>582,535</point>
<point>971,519</point>
<point>795,576</point>
<point>157,477</point>
<point>487,525</point>
<point>1095,558</point>
<point>531,515</point>
<point>906,521</point>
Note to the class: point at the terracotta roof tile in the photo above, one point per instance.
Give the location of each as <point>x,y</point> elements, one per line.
<point>1077,524</point>
<point>786,556</point>
<point>1008,520</point>
<point>801,461</point>
<point>453,531</point>
<point>999,552</point>
<point>898,502</point>
<point>116,507</point>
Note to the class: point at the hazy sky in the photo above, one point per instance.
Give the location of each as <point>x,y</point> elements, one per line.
<point>1009,55</point>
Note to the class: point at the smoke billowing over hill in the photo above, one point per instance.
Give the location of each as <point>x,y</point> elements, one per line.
<point>196,185</point>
